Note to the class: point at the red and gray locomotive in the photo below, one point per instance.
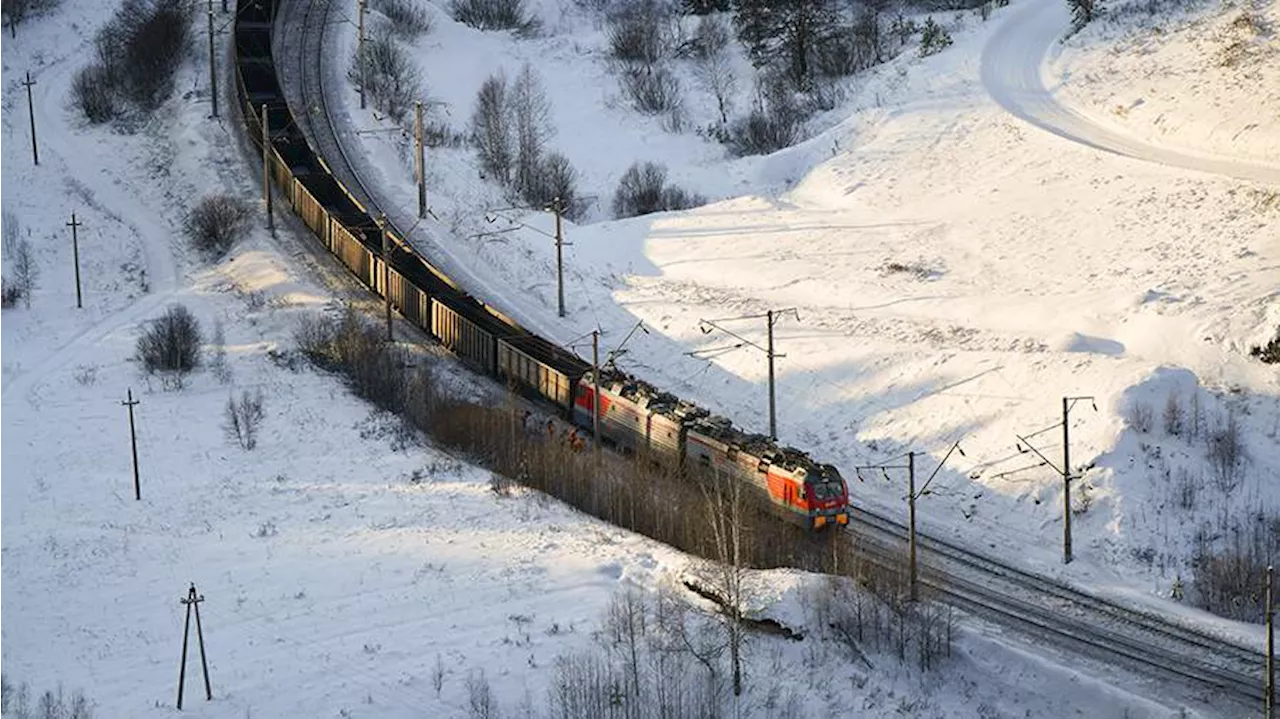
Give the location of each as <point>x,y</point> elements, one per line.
<point>639,418</point>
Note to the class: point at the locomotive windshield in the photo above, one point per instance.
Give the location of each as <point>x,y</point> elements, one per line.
<point>826,490</point>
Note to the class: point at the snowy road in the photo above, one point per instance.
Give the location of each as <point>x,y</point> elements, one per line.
<point>1013,73</point>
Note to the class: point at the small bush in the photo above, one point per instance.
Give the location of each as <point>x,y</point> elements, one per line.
<point>139,51</point>
<point>356,349</point>
<point>9,230</point>
<point>93,93</point>
<point>1229,580</point>
<point>494,15</point>
<point>934,38</point>
<point>25,270</point>
<point>761,132</point>
<point>170,343</point>
<point>216,223</point>
<point>408,18</point>
<point>1269,352</point>
<point>643,189</point>
<point>10,293</point>
<point>643,33</point>
<point>1139,417</point>
<point>711,37</point>
<point>243,417</point>
<point>653,90</point>
<point>390,77</point>
<point>556,180</point>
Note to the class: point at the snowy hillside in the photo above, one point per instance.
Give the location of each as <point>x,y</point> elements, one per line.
<point>957,268</point>
<point>344,573</point>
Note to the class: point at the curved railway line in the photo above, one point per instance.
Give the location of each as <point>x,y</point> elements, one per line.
<point>312,170</point>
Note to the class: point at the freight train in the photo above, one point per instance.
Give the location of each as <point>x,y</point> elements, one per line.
<point>634,416</point>
<point>641,419</point>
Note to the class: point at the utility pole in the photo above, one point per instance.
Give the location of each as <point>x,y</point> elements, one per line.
<point>386,272</point>
<point>912,495</point>
<point>213,65</point>
<point>31,112</point>
<point>192,600</point>
<point>557,209</point>
<point>1269,698</point>
<point>75,255</point>
<point>911,524</point>
<point>360,51</point>
<point>1065,470</point>
<point>133,445</point>
<point>595,389</point>
<point>266,166</point>
<point>771,318</point>
<point>421,159</point>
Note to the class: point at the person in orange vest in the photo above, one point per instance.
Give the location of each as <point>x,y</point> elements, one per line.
<point>576,442</point>
<point>551,430</point>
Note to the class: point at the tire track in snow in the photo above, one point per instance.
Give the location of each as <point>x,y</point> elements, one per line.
<point>1013,73</point>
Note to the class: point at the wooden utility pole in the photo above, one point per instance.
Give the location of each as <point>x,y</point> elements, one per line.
<point>773,410</point>
<point>386,271</point>
<point>1269,695</point>
<point>360,51</point>
<point>266,166</point>
<point>133,445</point>
<point>75,255</point>
<point>192,600</point>
<point>31,112</point>
<point>1066,483</point>
<point>557,209</point>
<point>911,524</point>
<point>213,65</point>
<point>595,389</point>
<point>418,131</point>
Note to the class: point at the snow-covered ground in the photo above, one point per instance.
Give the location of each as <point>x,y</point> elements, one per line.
<point>335,568</point>
<point>958,269</point>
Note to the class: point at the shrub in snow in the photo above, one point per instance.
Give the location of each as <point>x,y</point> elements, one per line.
<point>171,342</point>
<point>24,270</point>
<point>555,180</point>
<point>762,131</point>
<point>494,15</point>
<point>390,77</point>
<point>934,38</point>
<point>643,32</point>
<point>653,90</point>
<point>356,349</point>
<point>17,11</point>
<point>15,703</point>
<point>1269,352</point>
<point>1227,579</point>
<point>408,18</point>
<point>215,223</point>
<point>643,189</point>
<point>139,51</point>
<point>93,92</point>
<point>711,37</point>
<point>9,230</point>
<point>243,417</point>
<point>9,293</point>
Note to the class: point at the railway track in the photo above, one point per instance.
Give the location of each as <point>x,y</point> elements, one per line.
<point>975,583</point>
<point>1073,618</point>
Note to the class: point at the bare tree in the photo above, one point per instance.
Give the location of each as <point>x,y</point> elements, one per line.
<point>219,361</point>
<point>627,627</point>
<point>725,505</point>
<point>25,270</point>
<point>491,130</point>
<point>1173,414</point>
<point>715,74</point>
<point>243,418</point>
<point>481,703</point>
<point>9,230</point>
<point>1226,452</point>
<point>530,116</point>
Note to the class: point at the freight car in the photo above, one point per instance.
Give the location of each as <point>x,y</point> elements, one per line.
<point>634,415</point>
<point>639,418</point>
